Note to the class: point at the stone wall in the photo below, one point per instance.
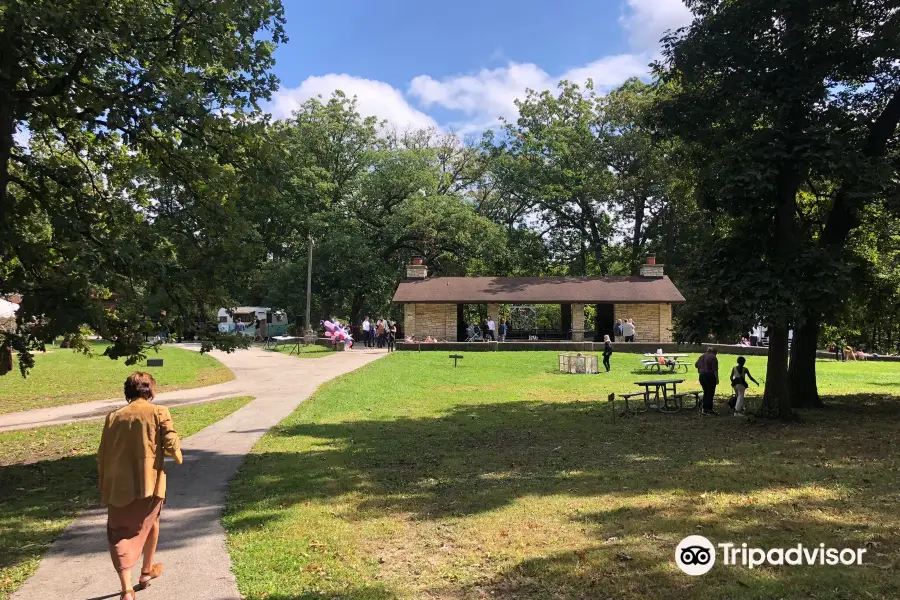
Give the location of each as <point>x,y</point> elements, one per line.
<point>578,322</point>
<point>652,322</point>
<point>436,320</point>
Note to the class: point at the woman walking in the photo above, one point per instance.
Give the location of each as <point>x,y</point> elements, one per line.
<point>607,351</point>
<point>132,479</point>
<point>739,376</point>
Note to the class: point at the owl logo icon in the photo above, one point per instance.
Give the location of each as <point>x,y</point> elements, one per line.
<point>695,555</point>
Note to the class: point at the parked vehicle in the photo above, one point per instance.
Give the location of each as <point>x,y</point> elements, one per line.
<point>276,321</point>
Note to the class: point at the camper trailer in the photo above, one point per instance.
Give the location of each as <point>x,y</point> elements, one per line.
<point>276,321</point>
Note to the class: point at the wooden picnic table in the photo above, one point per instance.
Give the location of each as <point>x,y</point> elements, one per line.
<point>653,363</point>
<point>669,403</point>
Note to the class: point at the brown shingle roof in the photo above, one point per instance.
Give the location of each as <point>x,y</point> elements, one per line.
<point>539,290</point>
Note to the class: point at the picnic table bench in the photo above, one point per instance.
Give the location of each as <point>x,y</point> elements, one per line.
<point>655,365</point>
<point>669,403</point>
<point>275,341</point>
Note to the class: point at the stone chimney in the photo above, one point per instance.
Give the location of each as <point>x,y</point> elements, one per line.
<point>651,269</point>
<point>416,270</point>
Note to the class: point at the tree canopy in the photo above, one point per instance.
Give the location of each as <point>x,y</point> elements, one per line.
<point>759,163</point>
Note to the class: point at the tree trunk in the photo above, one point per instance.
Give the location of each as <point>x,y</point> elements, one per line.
<point>776,401</point>
<point>7,130</point>
<point>802,386</point>
<point>640,204</point>
<point>356,308</point>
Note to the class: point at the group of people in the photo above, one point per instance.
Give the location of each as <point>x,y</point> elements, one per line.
<point>488,330</point>
<point>708,368</point>
<point>379,334</point>
<point>625,330</point>
<point>843,352</point>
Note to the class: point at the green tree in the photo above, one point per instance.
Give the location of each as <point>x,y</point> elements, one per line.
<point>770,98</point>
<point>385,197</point>
<point>137,114</point>
<point>589,169</point>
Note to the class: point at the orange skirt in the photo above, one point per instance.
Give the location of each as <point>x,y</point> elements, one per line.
<point>127,528</point>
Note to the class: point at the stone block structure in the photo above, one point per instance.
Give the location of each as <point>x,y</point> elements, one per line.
<point>431,306</point>
<point>652,322</point>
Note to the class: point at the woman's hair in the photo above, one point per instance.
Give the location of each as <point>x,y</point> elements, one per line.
<point>741,360</point>
<point>605,338</point>
<point>140,385</point>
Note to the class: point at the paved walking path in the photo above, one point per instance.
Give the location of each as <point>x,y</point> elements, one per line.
<point>192,540</point>
<point>85,411</point>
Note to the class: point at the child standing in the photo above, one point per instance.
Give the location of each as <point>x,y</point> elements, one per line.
<point>739,376</point>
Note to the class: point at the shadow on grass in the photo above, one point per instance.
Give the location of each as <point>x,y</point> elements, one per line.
<point>37,500</point>
<point>477,458</point>
<point>663,477</point>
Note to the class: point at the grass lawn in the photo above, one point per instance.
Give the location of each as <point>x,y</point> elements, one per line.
<point>503,479</point>
<point>49,475</point>
<point>67,377</point>
<point>312,351</point>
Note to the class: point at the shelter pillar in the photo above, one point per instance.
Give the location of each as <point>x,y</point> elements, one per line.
<point>409,319</point>
<point>578,322</point>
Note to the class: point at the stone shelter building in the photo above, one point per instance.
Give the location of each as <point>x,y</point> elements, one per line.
<point>434,306</point>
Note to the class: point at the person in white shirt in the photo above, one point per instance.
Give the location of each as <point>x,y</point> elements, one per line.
<point>628,330</point>
<point>492,327</point>
<point>367,330</point>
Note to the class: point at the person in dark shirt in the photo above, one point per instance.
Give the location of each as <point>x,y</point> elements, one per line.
<point>607,351</point>
<point>708,367</point>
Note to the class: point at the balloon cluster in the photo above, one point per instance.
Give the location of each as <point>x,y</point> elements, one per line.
<point>337,332</point>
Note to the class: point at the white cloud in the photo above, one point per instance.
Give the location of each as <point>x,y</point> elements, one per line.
<point>376,99</point>
<point>491,93</point>
<point>647,20</point>
<point>480,99</point>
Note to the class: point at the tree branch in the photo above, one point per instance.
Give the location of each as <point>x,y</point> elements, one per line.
<point>61,84</point>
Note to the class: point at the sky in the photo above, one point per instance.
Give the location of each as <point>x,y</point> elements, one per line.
<point>460,66</point>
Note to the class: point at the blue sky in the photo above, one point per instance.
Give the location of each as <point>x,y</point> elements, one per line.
<point>460,66</point>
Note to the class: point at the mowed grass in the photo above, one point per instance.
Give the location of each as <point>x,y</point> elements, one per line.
<point>504,479</point>
<point>63,376</point>
<point>311,351</point>
<point>49,475</point>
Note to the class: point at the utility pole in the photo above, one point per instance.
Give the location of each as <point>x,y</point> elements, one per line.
<point>312,244</point>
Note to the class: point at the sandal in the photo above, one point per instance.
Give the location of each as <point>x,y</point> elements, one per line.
<point>154,572</point>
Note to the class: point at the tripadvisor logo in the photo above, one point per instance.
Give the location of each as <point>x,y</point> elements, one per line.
<point>696,555</point>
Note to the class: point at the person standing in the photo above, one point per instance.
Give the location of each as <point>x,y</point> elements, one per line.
<point>607,351</point>
<point>132,479</point>
<point>367,330</point>
<point>628,330</point>
<point>618,332</point>
<point>503,329</point>
<point>708,367</point>
<point>392,335</point>
<point>263,329</point>
<point>739,376</point>
<point>492,328</point>
<point>484,330</point>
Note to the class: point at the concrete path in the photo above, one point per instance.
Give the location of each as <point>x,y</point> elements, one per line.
<point>192,540</point>
<point>86,411</point>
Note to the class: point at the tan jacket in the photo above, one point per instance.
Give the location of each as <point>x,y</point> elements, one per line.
<point>135,439</point>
